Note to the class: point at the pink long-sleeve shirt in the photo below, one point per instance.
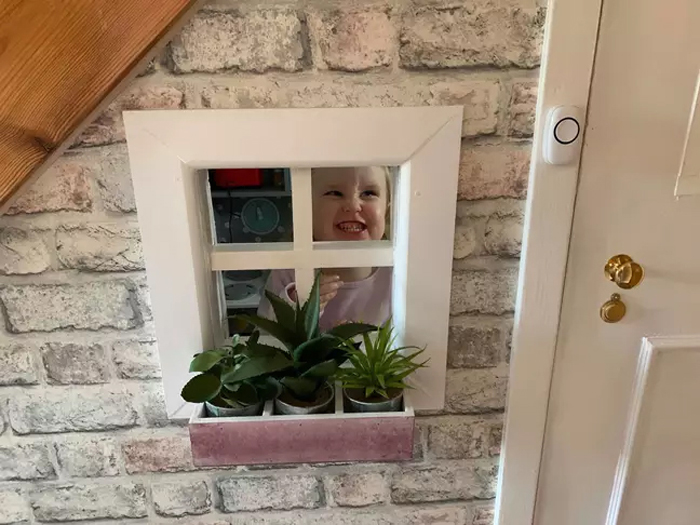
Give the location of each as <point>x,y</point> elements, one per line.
<point>367,301</point>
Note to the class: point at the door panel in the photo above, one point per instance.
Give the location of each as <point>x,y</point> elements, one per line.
<point>658,474</point>
<point>645,73</point>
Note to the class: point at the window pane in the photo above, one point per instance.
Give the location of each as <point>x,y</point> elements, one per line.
<point>361,295</point>
<point>243,293</point>
<point>352,203</point>
<point>251,205</point>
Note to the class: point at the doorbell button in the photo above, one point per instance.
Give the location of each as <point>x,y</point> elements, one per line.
<point>562,142</point>
<point>566,130</point>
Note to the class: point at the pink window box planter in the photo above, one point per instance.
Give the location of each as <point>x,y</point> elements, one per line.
<point>270,438</point>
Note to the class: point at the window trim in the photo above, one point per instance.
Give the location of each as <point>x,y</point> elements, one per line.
<point>168,151</point>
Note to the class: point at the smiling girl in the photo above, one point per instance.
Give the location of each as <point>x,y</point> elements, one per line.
<point>349,204</point>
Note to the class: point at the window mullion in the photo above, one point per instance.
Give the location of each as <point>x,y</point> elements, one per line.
<point>302,218</point>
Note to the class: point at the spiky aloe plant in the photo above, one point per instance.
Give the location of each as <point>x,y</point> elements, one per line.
<point>381,366</point>
<point>315,356</point>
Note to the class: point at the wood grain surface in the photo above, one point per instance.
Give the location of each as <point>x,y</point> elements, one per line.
<point>59,61</point>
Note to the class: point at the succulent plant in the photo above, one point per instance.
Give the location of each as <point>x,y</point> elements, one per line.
<point>381,366</point>
<point>315,357</point>
<point>221,380</point>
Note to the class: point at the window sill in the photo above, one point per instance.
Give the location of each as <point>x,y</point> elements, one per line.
<point>315,438</point>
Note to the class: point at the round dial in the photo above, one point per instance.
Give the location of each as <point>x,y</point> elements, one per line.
<point>260,216</point>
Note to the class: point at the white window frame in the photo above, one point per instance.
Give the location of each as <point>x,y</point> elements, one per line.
<point>169,153</point>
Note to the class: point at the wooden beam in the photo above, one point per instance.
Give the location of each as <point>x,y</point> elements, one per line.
<point>61,61</point>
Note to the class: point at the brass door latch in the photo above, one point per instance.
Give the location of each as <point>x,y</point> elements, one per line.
<point>626,274</point>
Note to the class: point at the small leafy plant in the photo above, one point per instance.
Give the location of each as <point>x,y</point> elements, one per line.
<point>380,367</point>
<point>315,356</point>
<point>222,381</point>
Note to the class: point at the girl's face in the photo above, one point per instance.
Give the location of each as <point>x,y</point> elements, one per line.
<point>350,204</point>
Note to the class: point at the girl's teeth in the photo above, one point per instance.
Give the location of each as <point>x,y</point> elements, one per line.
<point>352,228</point>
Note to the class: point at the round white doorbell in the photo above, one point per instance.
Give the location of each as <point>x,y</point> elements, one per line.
<point>563,130</point>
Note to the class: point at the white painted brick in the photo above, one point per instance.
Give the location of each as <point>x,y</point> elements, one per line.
<point>136,359</point>
<point>521,113</point>
<point>17,364</point>
<point>484,514</point>
<point>251,41</point>
<point>70,502</point>
<point>484,291</point>
<point>75,363</point>
<point>48,307</point>
<point>495,439</point>
<point>481,34</point>
<point>478,97</point>
<point>490,171</point>
<point>99,247</point>
<point>152,399</point>
<point>113,178</point>
<point>477,342</point>
<point>87,457</point>
<point>22,252</point>
<point>157,454</point>
<point>358,489</point>
<point>456,437</point>
<point>108,128</point>
<point>503,236</point>
<point>474,391</point>
<point>465,241</point>
<point>352,39</point>
<point>13,507</point>
<point>77,409</point>
<point>64,187</point>
<point>180,498</point>
<point>391,515</point>
<point>25,462</point>
<point>280,492</point>
<point>489,208</point>
<point>445,482</point>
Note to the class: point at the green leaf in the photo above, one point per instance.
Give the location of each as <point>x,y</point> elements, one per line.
<point>201,388</point>
<point>300,331</point>
<point>262,350</point>
<point>350,330</point>
<point>339,354</point>
<point>312,310</point>
<point>322,370</point>
<point>257,366</point>
<point>204,361</point>
<point>301,387</point>
<point>246,395</point>
<point>284,312</point>
<point>287,337</point>
<point>269,388</point>
<point>315,350</point>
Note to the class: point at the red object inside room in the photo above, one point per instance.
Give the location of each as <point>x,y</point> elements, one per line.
<point>237,177</point>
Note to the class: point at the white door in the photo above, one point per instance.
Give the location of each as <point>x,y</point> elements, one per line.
<point>622,442</point>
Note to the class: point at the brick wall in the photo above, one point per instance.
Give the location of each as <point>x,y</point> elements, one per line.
<point>83,434</point>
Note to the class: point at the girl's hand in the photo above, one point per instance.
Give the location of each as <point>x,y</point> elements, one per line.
<point>328,288</point>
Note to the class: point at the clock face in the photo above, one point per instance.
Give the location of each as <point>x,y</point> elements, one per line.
<point>260,216</point>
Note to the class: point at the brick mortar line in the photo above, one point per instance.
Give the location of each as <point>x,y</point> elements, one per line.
<point>508,75</point>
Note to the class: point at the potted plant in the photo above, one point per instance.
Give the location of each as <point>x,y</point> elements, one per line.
<point>375,379</point>
<point>315,356</point>
<point>236,380</point>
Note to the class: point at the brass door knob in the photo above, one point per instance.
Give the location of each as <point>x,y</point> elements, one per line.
<point>613,310</point>
<point>624,272</point>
